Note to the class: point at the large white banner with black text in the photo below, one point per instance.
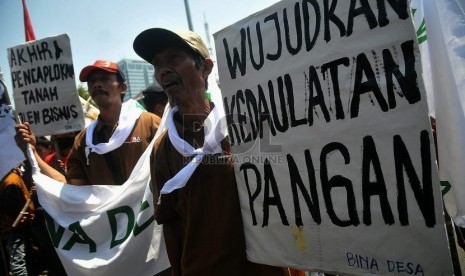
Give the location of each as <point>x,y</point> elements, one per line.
<point>333,152</point>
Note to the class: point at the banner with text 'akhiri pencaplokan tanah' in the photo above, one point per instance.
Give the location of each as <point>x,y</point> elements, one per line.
<point>44,88</point>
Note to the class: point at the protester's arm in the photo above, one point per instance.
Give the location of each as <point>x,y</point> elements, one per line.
<point>164,212</point>
<point>25,136</point>
<point>74,167</point>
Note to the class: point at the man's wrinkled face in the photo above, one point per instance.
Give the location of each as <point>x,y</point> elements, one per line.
<point>179,75</point>
<point>104,88</point>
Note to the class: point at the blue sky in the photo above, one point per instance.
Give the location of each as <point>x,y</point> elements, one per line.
<point>105,29</point>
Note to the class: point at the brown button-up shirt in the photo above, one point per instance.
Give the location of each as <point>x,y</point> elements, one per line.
<point>96,170</point>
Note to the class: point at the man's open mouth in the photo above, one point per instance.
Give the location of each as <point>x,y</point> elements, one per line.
<point>169,84</point>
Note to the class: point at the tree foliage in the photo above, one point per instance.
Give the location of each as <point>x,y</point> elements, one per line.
<point>84,93</point>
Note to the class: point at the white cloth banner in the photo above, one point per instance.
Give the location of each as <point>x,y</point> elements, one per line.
<point>419,21</point>
<point>105,230</point>
<point>445,25</point>
<point>10,155</point>
<point>331,140</point>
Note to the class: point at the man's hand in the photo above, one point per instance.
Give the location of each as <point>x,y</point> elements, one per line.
<point>24,136</point>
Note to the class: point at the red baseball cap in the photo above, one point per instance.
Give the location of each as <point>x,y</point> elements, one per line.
<point>105,65</point>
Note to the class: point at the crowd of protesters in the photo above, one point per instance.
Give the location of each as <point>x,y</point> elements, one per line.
<point>182,65</point>
<point>26,248</point>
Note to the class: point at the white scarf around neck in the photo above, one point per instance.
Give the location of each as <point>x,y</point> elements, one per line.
<point>215,130</point>
<point>130,112</point>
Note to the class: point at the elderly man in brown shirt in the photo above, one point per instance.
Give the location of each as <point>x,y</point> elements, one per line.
<point>201,221</point>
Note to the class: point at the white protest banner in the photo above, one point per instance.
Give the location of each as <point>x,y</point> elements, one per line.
<point>445,22</point>
<point>10,155</point>
<point>105,230</point>
<point>418,16</point>
<point>44,89</point>
<point>332,145</point>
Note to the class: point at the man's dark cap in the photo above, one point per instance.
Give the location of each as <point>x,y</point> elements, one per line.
<point>151,41</point>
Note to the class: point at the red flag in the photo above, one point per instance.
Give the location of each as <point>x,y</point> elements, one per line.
<point>28,24</point>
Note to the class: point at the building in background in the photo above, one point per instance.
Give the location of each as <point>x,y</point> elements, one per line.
<point>138,73</point>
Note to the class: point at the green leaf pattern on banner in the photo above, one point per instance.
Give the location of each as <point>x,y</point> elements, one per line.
<point>421,31</point>
<point>447,186</point>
